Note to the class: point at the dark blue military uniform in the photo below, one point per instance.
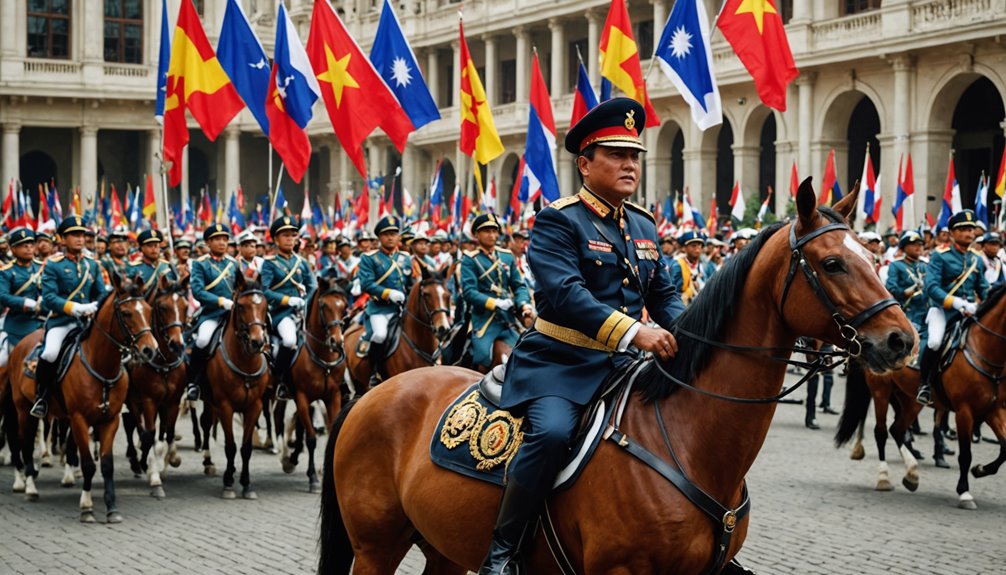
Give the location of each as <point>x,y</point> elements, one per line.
<point>283,278</point>
<point>906,282</point>
<point>67,281</point>
<point>20,282</point>
<point>212,281</point>
<point>379,273</point>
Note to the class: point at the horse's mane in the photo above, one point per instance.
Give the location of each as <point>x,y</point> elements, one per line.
<point>994,295</point>
<point>88,326</point>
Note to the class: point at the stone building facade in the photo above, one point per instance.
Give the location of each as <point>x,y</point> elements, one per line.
<point>923,77</point>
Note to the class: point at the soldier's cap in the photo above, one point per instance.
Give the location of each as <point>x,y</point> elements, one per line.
<point>668,239</point>
<point>118,234</point>
<point>214,231</point>
<point>282,224</point>
<point>963,219</point>
<point>408,235</point>
<point>368,235</point>
<point>183,245</point>
<point>522,233</point>
<point>330,240</point>
<point>388,224</point>
<point>692,237</point>
<point>485,221</point>
<point>20,236</point>
<point>909,237</point>
<point>342,241</point>
<point>615,123</point>
<point>71,224</point>
<point>992,238</point>
<point>438,237</point>
<point>149,237</point>
<point>91,233</point>
<point>869,237</point>
<point>419,237</point>
<point>44,236</point>
<point>246,236</point>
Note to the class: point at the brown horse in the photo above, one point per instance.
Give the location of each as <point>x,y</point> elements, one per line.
<point>381,493</point>
<point>238,375</point>
<point>318,371</point>
<point>157,385</point>
<point>972,387</point>
<point>91,393</point>
<point>426,324</point>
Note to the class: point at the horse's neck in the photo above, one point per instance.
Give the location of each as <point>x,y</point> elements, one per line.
<point>421,335</point>
<point>235,351</point>
<point>988,345</point>
<point>315,326</point>
<point>162,337</point>
<point>102,354</point>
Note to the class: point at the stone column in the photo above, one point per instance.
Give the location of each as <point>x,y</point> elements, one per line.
<point>593,39</point>
<point>904,73</point>
<point>568,177</point>
<point>411,176</point>
<point>659,19</point>
<point>654,166</point>
<point>432,74</point>
<point>746,171</point>
<point>232,160</point>
<point>345,174</point>
<point>11,159</point>
<point>93,43</point>
<point>8,20</point>
<point>559,60</point>
<point>456,94</point>
<point>523,62</point>
<point>185,175</point>
<point>805,84</point>
<point>88,164</point>
<point>700,169</point>
<point>491,67</point>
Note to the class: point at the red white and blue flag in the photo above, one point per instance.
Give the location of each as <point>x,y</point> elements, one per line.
<point>951,197</point>
<point>584,98</point>
<point>904,203</point>
<point>539,153</point>
<point>868,202</point>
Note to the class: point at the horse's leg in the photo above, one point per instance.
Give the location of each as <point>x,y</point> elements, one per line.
<point>965,424</point>
<point>997,422</point>
<point>29,430</point>
<point>226,417</point>
<point>81,438</point>
<point>106,439</point>
<point>45,435</point>
<point>858,452</point>
<point>197,437</point>
<point>298,438</point>
<point>169,418</point>
<point>899,430</point>
<point>13,427</point>
<point>206,420</point>
<point>72,461</point>
<point>437,564</point>
<point>880,403</point>
<point>153,450</point>
<point>251,414</point>
<point>304,417</point>
<point>268,443</point>
<point>129,426</point>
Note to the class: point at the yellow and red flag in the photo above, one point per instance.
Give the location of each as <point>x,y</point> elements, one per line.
<point>620,59</point>
<point>149,205</point>
<point>196,82</point>
<point>754,28</point>
<point>479,138</point>
<point>1001,178</point>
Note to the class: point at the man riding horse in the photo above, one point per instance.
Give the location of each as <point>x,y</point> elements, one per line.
<point>212,286</point>
<point>71,286</point>
<point>20,291</point>
<point>597,264</point>
<point>492,285</point>
<point>955,283</point>
<point>151,266</point>
<point>289,283</point>
<point>385,275</point>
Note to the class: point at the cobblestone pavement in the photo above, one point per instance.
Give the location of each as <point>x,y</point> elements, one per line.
<point>814,512</point>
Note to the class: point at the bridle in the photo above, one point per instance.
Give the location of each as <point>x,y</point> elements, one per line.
<point>429,312</point>
<point>971,355</point>
<point>242,328</point>
<point>129,347</point>
<point>326,327</point>
<point>160,329</point>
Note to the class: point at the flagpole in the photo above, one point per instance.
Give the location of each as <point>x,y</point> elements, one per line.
<point>270,190</point>
<point>164,192</point>
<point>272,203</point>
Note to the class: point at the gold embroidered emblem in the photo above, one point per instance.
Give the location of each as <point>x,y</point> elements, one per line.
<point>630,120</point>
<point>493,438</point>
<point>461,420</point>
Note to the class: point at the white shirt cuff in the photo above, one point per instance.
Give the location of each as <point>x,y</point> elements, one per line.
<point>623,344</point>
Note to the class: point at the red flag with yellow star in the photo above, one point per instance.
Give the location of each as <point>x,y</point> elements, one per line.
<point>357,99</point>
<point>620,59</point>
<point>479,138</point>
<point>754,29</point>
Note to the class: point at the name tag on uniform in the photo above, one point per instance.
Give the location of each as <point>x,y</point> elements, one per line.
<point>599,246</point>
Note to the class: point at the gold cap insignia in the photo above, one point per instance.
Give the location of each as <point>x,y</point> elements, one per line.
<point>967,215</point>
<point>630,120</point>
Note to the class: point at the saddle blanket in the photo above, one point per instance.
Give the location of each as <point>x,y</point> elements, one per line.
<point>71,343</point>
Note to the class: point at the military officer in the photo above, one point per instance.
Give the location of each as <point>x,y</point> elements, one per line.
<point>687,271</point>
<point>493,288</point>
<point>421,254</point>
<point>906,282</point>
<point>151,266</point>
<point>20,292</point>
<point>71,286</point>
<point>115,259</point>
<point>955,283</point>
<point>289,282</point>
<point>251,262</point>
<point>385,275</point>
<point>43,246</point>
<point>212,283</point>
<point>597,264</point>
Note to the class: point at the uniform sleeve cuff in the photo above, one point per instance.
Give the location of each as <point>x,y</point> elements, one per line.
<point>491,304</point>
<point>623,344</point>
<point>948,302</point>
<point>220,301</point>
<point>385,293</point>
<point>614,328</point>
<point>68,308</point>
<point>285,300</point>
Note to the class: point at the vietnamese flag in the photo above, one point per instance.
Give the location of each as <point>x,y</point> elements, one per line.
<point>620,59</point>
<point>754,28</point>
<point>196,81</point>
<point>357,99</point>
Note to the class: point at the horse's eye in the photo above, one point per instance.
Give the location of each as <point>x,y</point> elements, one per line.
<point>833,265</point>
<point>164,307</point>
<point>127,314</point>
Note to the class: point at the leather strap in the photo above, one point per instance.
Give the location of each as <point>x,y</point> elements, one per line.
<point>31,280</point>
<point>223,274</point>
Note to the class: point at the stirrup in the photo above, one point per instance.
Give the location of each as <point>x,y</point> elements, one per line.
<point>924,396</point>
<point>40,409</point>
<point>283,392</point>
<point>192,392</point>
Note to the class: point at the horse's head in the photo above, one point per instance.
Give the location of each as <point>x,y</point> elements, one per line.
<point>132,316</point>
<point>250,314</point>
<point>435,301</point>
<point>332,304</point>
<point>831,291</point>
<point>171,308</point>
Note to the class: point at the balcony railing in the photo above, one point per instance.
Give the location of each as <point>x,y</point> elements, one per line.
<point>126,71</point>
<point>50,67</point>
<point>938,14</point>
<point>855,29</point>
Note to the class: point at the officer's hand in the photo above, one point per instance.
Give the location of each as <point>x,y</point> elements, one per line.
<point>527,315</point>
<point>355,291</point>
<point>504,304</point>
<point>970,309</point>
<point>83,309</point>
<point>296,302</point>
<point>30,303</point>
<point>963,306</point>
<point>657,340</point>
<point>395,296</point>
<point>910,291</point>
<point>226,304</point>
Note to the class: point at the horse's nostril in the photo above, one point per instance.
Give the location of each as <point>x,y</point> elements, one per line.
<point>896,341</point>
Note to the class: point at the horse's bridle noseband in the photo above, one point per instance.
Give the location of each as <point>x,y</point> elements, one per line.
<point>846,327</point>
<point>242,327</point>
<point>130,346</point>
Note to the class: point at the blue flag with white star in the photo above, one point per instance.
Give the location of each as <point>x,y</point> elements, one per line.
<point>243,58</point>
<point>163,59</point>
<point>394,60</point>
<point>685,56</point>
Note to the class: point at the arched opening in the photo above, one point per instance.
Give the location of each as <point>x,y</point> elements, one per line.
<point>864,125</point>
<point>37,167</point>
<point>978,137</point>
<point>724,169</point>
<point>766,157</point>
<point>199,172</point>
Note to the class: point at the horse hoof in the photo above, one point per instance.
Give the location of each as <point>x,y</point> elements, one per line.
<point>175,461</point>
<point>229,493</point>
<point>113,517</point>
<point>978,472</point>
<point>210,470</point>
<point>67,483</point>
<point>272,451</point>
<point>288,467</point>
<point>858,453</point>
<point>315,488</point>
<point>18,486</point>
<point>46,461</point>
<point>968,504</point>
<point>884,485</point>
<point>910,484</point>
<point>157,492</point>
<point>249,495</point>
<point>78,473</point>
<point>87,517</point>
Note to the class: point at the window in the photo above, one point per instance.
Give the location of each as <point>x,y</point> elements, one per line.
<point>644,37</point>
<point>508,81</point>
<point>857,6</point>
<point>48,28</point>
<point>124,31</point>
<point>786,10</point>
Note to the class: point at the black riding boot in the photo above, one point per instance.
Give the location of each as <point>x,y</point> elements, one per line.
<point>517,509</point>
<point>928,367</point>
<point>45,372</point>
<point>196,369</point>
<point>376,357</point>
<point>281,373</point>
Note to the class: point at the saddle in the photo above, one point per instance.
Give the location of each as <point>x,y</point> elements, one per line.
<point>954,339</point>
<point>391,343</point>
<point>493,435</point>
<point>69,349</point>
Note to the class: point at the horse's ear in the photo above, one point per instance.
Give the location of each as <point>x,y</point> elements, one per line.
<point>116,279</point>
<point>848,203</point>
<point>163,283</point>
<point>424,271</point>
<point>239,282</point>
<point>806,204</point>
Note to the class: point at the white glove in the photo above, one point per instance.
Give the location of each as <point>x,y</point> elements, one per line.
<point>971,308</point>
<point>30,303</point>
<point>295,302</point>
<point>82,309</point>
<point>964,306</point>
<point>226,304</point>
<point>395,296</point>
<point>355,291</point>
<point>504,304</point>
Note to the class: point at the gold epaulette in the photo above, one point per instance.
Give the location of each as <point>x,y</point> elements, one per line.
<point>56,258</point>
<point>470,253</point>
<point>641,210</point>
<point>270,257</point>
<point>370,253</point>
<point>564,202</point>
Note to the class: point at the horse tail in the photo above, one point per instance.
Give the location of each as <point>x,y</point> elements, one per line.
<point>857,403</point>
<point>335,555</point>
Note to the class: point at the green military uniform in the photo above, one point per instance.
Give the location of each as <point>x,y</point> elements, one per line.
<point>21,294</point>
<point>906,282</point>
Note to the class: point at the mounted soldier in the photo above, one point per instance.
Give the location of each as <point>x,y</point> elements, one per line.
<point>492,285</point>
<point>421,258</point>
<point>151,266</point>
<point>212,285</point>
<point>955,283</point>
<point>20,292</point>
<point>597,264</point>
<point>288,281</point>
<point>115,260</point>
<point>251,262</point>
<point>71,287</point>
<point>906,282</point>
<point>385,275</point>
